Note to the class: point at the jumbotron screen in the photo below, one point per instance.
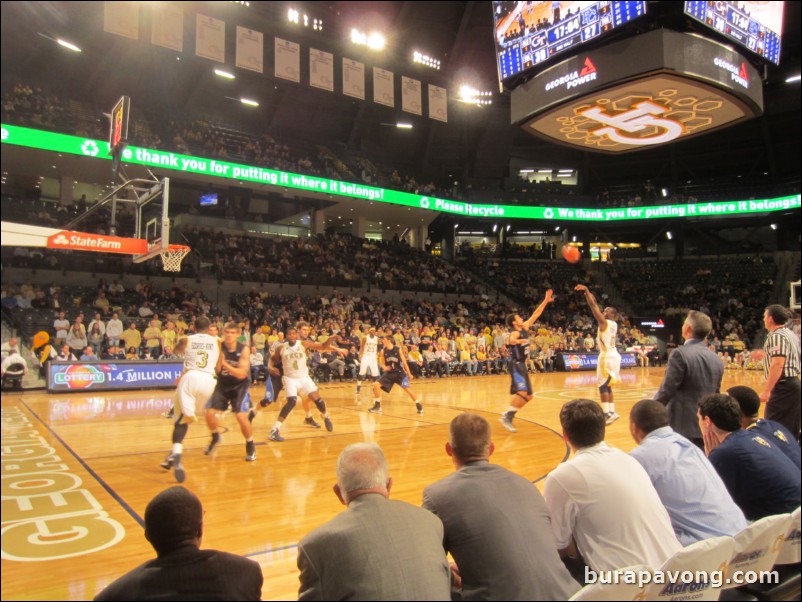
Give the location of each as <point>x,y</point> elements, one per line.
<point>529,33</point>
<point>754,25</point>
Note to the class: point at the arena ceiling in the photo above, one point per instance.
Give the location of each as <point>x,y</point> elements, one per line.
<point>478,144</point>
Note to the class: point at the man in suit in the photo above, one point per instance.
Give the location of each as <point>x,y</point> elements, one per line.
<point>497,526</point>
<point>693,371</point>
<point>378,549</point>
<point>181,570</point>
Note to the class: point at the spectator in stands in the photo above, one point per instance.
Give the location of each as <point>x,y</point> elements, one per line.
<point>61,326</point>
<point>602,503</point>
<point>89,355</point>
<point>113,353</point>
<point>132,353</point>
<point>102,303</point>
<point>144,310</point>
<point>497,526</point>
<point>76,336</point>
<point>152,337</point>
<point>761,479</point>
<point>385,550</point>
<point>114,329</point>
<point>689,487</point>
<point>169,335</point>
<point>131,337</point>
<point>182,571</point>
<point>66,354</point>
<point>258,366</point>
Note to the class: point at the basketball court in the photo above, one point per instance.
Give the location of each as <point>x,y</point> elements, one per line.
<point>78,470</point>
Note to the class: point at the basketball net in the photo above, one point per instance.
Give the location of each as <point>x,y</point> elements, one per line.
<point>173,256</point>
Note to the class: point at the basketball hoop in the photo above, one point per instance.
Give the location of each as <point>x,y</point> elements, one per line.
<point>173,256</point>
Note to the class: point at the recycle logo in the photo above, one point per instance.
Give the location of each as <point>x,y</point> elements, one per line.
<point>90,148</point>
<point>4,134</point>
<point>424,202</point>
<point>548,213</point>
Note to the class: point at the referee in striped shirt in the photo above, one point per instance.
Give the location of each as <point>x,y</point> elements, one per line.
<point>781,393</point>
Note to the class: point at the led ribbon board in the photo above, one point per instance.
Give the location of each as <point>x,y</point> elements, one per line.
<point>73,145</point>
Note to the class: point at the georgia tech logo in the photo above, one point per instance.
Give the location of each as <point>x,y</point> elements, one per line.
<point>61,240</point>
<point>636,119</point>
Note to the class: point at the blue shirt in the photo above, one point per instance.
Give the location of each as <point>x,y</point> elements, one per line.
<point>781,437</point>
<point>689,487</point>
<point>761,479</point>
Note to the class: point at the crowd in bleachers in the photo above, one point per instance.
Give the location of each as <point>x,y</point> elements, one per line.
<point>733,292</point>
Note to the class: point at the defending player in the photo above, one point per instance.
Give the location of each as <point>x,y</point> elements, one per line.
<point>518,344</point>
<point>292,355</point>
<point>195,387</point>
<point>608,369</point>
<point>233,389</point>
<point>396,372</point>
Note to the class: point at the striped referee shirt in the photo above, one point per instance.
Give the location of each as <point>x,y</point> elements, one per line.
<point>782,343</point>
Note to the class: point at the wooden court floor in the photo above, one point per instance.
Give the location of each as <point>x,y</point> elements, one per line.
<point>78,470</point>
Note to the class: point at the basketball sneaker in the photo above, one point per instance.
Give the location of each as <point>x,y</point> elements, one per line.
<point>506,422</point>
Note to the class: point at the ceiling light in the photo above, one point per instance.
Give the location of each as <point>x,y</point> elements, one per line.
<point>225,74</point>
<point>68,45</point>
<point>404,126</point>
<point>249,102</point>
<point>793,79</point>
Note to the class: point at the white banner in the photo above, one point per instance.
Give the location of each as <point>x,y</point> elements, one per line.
<point>122,19</point>
<point>321,69</point>
<point>167,26</point>
<point>210,38</point>
<point>288,60</point>
<point>250,49</point>
<point>383,92</point>
<point>411,95</point>
<point>438,103</point>
<point>354,78</point>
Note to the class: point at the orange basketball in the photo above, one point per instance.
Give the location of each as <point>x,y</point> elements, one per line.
<point>571,254</point>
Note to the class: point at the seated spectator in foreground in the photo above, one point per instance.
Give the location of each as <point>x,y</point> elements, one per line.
<point>749,404</point>
<point>182,571</point>
<point>13,363</point>
<point>696,498</point>
<point>378,549</point>
<point>11,343</point>
<point>132,353</point>
<point>603,500</point>
<point>497,526</point>
<point>761,479</point>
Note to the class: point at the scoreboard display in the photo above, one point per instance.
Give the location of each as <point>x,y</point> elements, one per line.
<point>529,33</point>
<point>754,25</point>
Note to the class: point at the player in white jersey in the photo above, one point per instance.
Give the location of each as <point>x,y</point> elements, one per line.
<point>608,368</point>
<point>368,358</point>
<point>292,356</point>
<point>194,389</point>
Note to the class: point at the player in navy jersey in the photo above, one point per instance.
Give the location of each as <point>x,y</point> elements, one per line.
<point>396,372</point>
<point>518,344</point>
<point>233,389</point>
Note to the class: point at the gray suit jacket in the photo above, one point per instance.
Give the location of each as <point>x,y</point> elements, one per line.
<point>693,371</point>
<point>378,549</point>
<point>498,530</point>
